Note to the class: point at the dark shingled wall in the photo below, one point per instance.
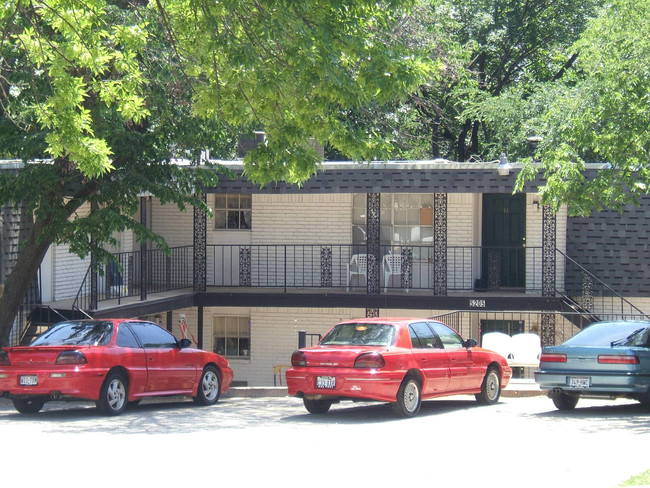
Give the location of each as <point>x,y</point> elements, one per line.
<point>615,247</point>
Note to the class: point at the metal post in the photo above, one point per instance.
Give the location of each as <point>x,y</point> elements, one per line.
<point>302,339</point>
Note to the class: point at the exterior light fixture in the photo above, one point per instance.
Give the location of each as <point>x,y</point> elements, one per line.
<point>504,166</point>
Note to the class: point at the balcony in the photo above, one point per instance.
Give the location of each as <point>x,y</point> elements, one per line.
<point>401,277</point>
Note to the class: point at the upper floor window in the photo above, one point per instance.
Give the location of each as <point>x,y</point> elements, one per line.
<point>405,218</point>
<point>232,211</point>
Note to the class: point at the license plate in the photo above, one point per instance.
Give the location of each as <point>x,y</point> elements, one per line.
<point>327,382</point>
<point>579,381</point>
<point>28,380</point>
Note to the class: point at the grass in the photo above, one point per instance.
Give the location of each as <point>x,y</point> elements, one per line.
<point>638,480</point>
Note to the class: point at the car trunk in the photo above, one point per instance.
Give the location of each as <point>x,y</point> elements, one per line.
<point>335,356</point>
<point>36,356</point>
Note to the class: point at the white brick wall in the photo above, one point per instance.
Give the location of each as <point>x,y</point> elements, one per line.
<point>302,219</point>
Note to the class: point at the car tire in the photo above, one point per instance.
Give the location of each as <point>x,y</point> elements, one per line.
<point>209,389</point>
<point>317,407</point>
<point>564,401</point>
<point>490,388</point>
<point>113,395</point>
<point>409,398</point>
<point>29,405</point>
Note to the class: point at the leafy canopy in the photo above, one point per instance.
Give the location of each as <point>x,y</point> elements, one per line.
<point>601,115</point>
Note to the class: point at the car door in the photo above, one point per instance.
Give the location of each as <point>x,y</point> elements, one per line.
<point>132,356</point>
<point>169,368</point>
<point>464,373</point>
<point>430,357</point>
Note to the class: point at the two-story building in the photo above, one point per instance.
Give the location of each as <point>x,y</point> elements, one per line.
<point>282,264</point>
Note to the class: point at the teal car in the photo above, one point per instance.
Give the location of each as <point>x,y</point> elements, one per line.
<point>604,360</point>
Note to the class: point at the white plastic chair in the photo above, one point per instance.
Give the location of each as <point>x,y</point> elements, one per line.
<point>392,266</point>
<point>358,266</point>
<point>526,349</point>
<point>498,342</point>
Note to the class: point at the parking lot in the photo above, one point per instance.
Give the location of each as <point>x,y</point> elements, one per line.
<point>274,442</point>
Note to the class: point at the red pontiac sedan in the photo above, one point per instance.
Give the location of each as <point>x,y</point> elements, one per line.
<point>401,361</point>
<point>113,362</point>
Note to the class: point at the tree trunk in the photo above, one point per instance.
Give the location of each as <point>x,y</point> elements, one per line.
<point>18,281</point>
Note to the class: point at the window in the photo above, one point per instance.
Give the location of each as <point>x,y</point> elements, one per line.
<point>232,336</point>
<point>232,211</point>
<point>404,219</point>
<point>151,335</point>
<point>422,337</point>
<point>450,339</point>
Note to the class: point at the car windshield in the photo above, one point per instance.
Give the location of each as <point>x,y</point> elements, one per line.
<point>354,334</point>
<point>612,334</point>
<point>76,334</point>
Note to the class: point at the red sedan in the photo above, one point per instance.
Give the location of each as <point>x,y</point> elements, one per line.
<point>401,361</point>
<point>113,362</point>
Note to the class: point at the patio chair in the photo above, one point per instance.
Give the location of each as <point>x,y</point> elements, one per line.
<point>526,350</point>
<point>358,266</point>
<point>498,342</point>
<point>392,265</point>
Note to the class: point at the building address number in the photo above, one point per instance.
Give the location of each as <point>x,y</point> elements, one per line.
<point>477,303</point>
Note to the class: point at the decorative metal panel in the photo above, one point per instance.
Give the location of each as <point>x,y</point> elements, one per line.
<point>494,269</point>
<point>548,329</point>
<point>587,291</point>
<point>244,266</point>
<point>326,266</point>
<point>373,209</point>
<point>143,251</point>
<point>406,279</point>
<point>440,244</point>
<point>372,312</point>
<point>200,246</point>
<point>549,226</point>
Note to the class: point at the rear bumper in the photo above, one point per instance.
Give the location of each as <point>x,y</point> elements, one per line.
<point>57,383</point>
<point>599,383</point>
<point>355,383</point>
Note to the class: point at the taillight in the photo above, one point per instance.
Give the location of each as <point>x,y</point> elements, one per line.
<point>552,358</point>
<point>617,359</point>
<point>370,360</point>
<point>71,357</point>
<point>4,358</point>
<point>298,359</point>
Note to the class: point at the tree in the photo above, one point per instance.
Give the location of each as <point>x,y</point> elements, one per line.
<point>496,55</point>
<point>601,115</point>
<point>112,91</point>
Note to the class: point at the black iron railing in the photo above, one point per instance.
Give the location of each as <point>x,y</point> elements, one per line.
<point>346,266</point>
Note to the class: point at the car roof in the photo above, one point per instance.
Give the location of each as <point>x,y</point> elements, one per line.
<point>387,320</point>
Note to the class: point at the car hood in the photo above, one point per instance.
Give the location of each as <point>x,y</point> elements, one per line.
<point>337,356</point>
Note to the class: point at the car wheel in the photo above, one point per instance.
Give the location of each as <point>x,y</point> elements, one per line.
<point>491,388</point>
<point>563,401</point>
<point>29,405</point>
<point>209,387</point>
<point>317,406</point>
<point>409,398</point>
<point>113,395</point>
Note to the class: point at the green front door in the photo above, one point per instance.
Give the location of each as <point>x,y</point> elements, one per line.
<point>503,254</point>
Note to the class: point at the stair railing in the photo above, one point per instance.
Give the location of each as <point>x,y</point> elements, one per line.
<point>587,282</point>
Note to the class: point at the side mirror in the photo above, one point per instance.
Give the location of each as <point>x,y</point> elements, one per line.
<point>183,343</point>
<point>469,343</point>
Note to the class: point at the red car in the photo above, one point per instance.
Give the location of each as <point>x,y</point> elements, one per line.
<point>113,362</point>
<point>402,361</point>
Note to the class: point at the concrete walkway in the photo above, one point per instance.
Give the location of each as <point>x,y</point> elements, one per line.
<point>516,388</point>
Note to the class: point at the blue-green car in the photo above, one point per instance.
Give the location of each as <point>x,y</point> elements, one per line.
<point>604,360</point>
